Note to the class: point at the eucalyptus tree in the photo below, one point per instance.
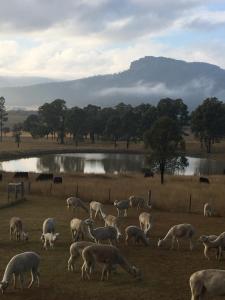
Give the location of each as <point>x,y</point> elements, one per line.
<point>166,146</point>
<point>3,116</point>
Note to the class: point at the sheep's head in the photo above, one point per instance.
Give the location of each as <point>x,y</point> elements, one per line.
<point>115,202</point>
<point>25,236</point>
<point>42,238</point>
<point>89,222</point>
<point>3,286</point>
<point>55,236</point>
<point>136,272</point>
<point>203,238</point>
<point>160,242</point>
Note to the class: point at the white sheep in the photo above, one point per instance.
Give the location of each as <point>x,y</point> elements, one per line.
<point>75,252</point>
<point>16,229</point>
<point>181,231</point>
<point>79,230</point>
<point>17,266</point>
<point>49,238</point>
<point>213,241</point>
<point>145,220</point>
<point>95,207</point>
<point>208,210</point>
<point>137,234</point>
<point>75,203</point>
<point>107,255</point>
<point>122,206</point>
<point>207,282</point>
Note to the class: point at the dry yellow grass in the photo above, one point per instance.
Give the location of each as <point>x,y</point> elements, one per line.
<point>165,272</point>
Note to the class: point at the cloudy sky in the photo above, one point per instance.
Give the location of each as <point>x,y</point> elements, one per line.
<point>77,38</point>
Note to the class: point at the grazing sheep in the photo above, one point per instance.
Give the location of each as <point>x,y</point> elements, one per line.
<point>75,202</point>
<point>145,220</point>
<point>122,206</point>
<point>137,234</point>
<point>48,226</point>
<point>213,241</point>
<point>113,221</point>
<point>17,266</point>
<point>16,229</point>
<point>208,210</point>
<point>79,230</point>
<point>181,231</point>
<point>75,251</point>
<point>102,233</point>
<point>107,255</point>
<point>97,207</point>
<point>49,238</point>
<point>204,180</point>
<point>207,282</point>
<point>138,202</point>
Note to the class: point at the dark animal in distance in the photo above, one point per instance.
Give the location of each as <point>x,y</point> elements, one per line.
<point>44,176</point>
<point>57,179</point>
<point>147,172</point>
<point>204,179</point>
<point>24,175</point>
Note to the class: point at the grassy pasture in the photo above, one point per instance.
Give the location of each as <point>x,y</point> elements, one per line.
<point>166,272</point>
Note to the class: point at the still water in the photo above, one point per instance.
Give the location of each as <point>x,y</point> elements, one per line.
<point>101,163</point>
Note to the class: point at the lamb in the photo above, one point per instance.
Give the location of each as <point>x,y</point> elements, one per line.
<point>213,241</point>
<point>102,233</point>
<point>79,230</point>
<point>208,210</point>
<point>184,231</point>
<point>207,282</point>
<point>97,207</point>
<point>75,202</point>
<point>113,221</point>
<point>137,234</point>
<point>138,202</point>
<point>48,226</point>
<point>16,229</point>
<point>75,251</point>
<point>145,220</point>
<point>49,238</point>
<point>122,206</point>
<point>17,266</point>
<point>107,255</point>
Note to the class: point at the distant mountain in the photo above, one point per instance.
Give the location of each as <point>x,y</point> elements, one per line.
<point>147,80</point>
<point>15,81</point>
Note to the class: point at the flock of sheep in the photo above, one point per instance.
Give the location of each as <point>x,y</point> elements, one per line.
<point>89,244</point>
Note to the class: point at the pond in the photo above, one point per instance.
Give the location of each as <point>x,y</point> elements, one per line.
<point>101,163</point>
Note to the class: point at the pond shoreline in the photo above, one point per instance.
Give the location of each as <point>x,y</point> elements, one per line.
<point>10,155</point>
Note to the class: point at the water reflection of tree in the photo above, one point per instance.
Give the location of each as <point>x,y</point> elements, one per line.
<point>173,166</point>
<point>123,162</point>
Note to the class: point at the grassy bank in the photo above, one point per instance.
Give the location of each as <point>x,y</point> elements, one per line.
<point>165,272</point>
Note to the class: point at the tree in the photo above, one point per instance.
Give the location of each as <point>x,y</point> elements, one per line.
<point>75,121</point>
<point>113,128</point>
<point>92,120</point>
<point>208,122</point>
<point>166,145</point>
<point>34,126</point>
<point>3,116</point>
<point>6,130</point>
<point>17,132</point>
<point>53,115</point>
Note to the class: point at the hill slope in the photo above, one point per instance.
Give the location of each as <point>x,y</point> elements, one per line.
<point>147,80</point>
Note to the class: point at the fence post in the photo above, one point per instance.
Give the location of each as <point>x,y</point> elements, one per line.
<point>109,199</point>
<point>149,196</point>
<point>77,191</point>
<point>190,202</point>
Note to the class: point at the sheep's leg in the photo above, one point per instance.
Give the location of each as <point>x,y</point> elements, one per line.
<point>21,281</point>
<point>32,279</point>
<point>118,212</point>
<point>14,280</point>
<point>178,244</point>
<point>191,244</point>
<point>125,212</point>
<point>172,242</point>
<point>104,270</point>
<point>206,253</point>
<point>90,213</point>
<point>96,212</point>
